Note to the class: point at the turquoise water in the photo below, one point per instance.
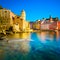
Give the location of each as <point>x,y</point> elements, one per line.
<point>31,46</point>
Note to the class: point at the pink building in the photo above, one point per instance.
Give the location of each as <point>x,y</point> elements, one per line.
<point>45,25</point>
<point>53,26</point>
<point>50,24</point>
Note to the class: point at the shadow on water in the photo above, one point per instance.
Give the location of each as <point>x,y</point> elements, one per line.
<point>45,46</point>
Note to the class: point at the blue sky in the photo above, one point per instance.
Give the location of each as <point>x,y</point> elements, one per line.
<point>35,9</point>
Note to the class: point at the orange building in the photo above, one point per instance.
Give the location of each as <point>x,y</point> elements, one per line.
<point>58,25</point>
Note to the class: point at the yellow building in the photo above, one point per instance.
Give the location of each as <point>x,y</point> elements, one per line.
<point>38,23</point>
<point>21,21</point>
<point>6,18</point>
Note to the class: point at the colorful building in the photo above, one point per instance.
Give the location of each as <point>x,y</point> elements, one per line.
<point>31,25</point>
<point>58,25</point>
<point>6,18</point>
<point>49,24</point>
<point>21,22</point>
<point>45,24</point>
<point>38,24</point>
<point>53,26</point>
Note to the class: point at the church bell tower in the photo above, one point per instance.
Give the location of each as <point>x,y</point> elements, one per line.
<point>23,15</point>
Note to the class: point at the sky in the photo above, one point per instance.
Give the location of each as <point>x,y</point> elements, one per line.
<point>35,9</point>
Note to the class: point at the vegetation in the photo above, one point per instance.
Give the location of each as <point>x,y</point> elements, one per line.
<point>1,7</point>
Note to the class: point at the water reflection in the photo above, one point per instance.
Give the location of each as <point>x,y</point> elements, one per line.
<point>58,35</point>
<point>19,35</point>
<point>46,35</point>
<point>22,46</point>
<point>45,46</point>
<point>20,42</point>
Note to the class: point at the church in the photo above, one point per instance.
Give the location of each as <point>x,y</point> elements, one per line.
<point>20,24</point>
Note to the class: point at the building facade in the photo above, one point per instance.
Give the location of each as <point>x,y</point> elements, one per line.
<point>53,26</point>
<point>21,22</point>
<point>58,25</point>
<point>38,25</point>
<point>49,24</point>
<point>6,18</point>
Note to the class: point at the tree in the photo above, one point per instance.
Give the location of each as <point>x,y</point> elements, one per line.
<point>1,7</point>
